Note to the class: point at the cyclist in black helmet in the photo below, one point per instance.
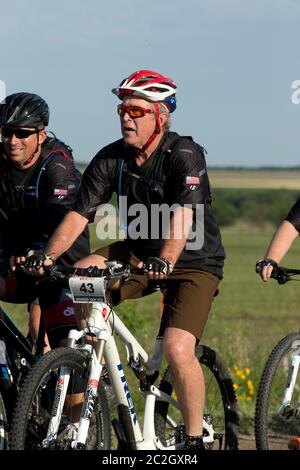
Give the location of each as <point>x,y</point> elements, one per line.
<point>38,185</point>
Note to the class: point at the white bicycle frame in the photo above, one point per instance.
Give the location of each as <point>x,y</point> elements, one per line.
<point>104,328</point>
<point>292,377</point>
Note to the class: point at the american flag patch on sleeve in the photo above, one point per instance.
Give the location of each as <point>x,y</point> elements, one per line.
<point>60,192</point>
<point>192,180</point>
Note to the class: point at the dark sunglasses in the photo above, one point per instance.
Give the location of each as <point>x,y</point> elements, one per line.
<point>133,111</point>
<point>19,133</point>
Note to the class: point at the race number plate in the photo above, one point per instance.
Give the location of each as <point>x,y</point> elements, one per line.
<point>87,289</point>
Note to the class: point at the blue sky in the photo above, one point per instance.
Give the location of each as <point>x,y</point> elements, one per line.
<point>234,62</point>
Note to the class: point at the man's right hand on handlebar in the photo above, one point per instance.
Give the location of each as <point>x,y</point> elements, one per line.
<point>156,268</point>
<point>264,268</point>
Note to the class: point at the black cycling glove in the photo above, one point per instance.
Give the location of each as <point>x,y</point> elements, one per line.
<point>261,263</point>
<point>35,259</point>
<point>158,265</point>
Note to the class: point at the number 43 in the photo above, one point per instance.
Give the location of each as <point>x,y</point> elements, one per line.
<point>87,287</point>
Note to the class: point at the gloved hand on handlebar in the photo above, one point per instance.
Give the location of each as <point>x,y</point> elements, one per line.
<point>38,259</point>
<point>264,267</point>
<point>157,268</point>
<point>34,262</point>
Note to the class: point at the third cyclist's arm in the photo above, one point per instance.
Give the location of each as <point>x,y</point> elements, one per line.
<point>281,241</point>
<point>279,246</point>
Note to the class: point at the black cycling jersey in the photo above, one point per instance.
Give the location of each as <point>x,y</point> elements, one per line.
<point>34,201</point>
<point>175,174</point>
<point>294,215</point>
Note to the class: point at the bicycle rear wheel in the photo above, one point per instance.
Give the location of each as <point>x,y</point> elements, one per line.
<point>275,428</point>
<point>3,426</point>
<point>220,411</point>
<point>37,397</point>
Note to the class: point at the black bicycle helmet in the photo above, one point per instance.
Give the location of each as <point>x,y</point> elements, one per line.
<point>24,110</point>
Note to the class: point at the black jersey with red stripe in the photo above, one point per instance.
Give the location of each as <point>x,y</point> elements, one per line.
<point>34,201</point>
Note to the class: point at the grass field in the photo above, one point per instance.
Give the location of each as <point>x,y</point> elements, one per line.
<point>258,179</point>
<point>251,178</point>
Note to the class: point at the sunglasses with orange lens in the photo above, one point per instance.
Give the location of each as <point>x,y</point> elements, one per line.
<point>133,111</point>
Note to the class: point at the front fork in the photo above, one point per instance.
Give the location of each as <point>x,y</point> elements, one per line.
<point>285,407</point>
<point>91,392</point>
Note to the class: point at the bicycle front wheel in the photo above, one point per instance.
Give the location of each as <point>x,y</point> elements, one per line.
<point>37,398</point>
<point>276,426</point>
<point>220,423</point>
<point>3,426</point>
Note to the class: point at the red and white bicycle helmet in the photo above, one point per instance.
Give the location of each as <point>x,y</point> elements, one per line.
<point>149,85</point>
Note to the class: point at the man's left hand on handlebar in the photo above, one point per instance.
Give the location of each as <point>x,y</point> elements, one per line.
<point>35,262</point>
<point>156,268</point>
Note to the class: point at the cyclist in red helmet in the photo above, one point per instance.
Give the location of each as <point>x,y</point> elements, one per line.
<point>153,167</point>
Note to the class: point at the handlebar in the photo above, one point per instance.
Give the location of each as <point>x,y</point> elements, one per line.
<point>282,274</point>
<point>114,270</point>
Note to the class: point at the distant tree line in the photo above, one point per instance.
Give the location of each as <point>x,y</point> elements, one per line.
<point>254,206</point>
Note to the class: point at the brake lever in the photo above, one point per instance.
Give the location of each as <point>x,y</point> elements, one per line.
<point>119,272</point>
<point>280,274</point>
<point>282,278</point>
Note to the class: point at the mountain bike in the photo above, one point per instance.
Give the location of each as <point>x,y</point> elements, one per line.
<point>53,376</point>
<point>277,413</point>
<point>16,359</point>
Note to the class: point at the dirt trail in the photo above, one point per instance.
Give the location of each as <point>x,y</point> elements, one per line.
<point>246,442</point>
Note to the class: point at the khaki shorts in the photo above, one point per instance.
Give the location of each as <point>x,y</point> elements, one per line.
<point>188,293</point>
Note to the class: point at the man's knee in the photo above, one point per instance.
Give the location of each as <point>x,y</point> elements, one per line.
<point>91,260</point>
<point>178,346</point>
<point>99,261</point>
<point>174,353</point>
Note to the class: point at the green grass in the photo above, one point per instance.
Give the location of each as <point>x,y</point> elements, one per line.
<point>247,319</point>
